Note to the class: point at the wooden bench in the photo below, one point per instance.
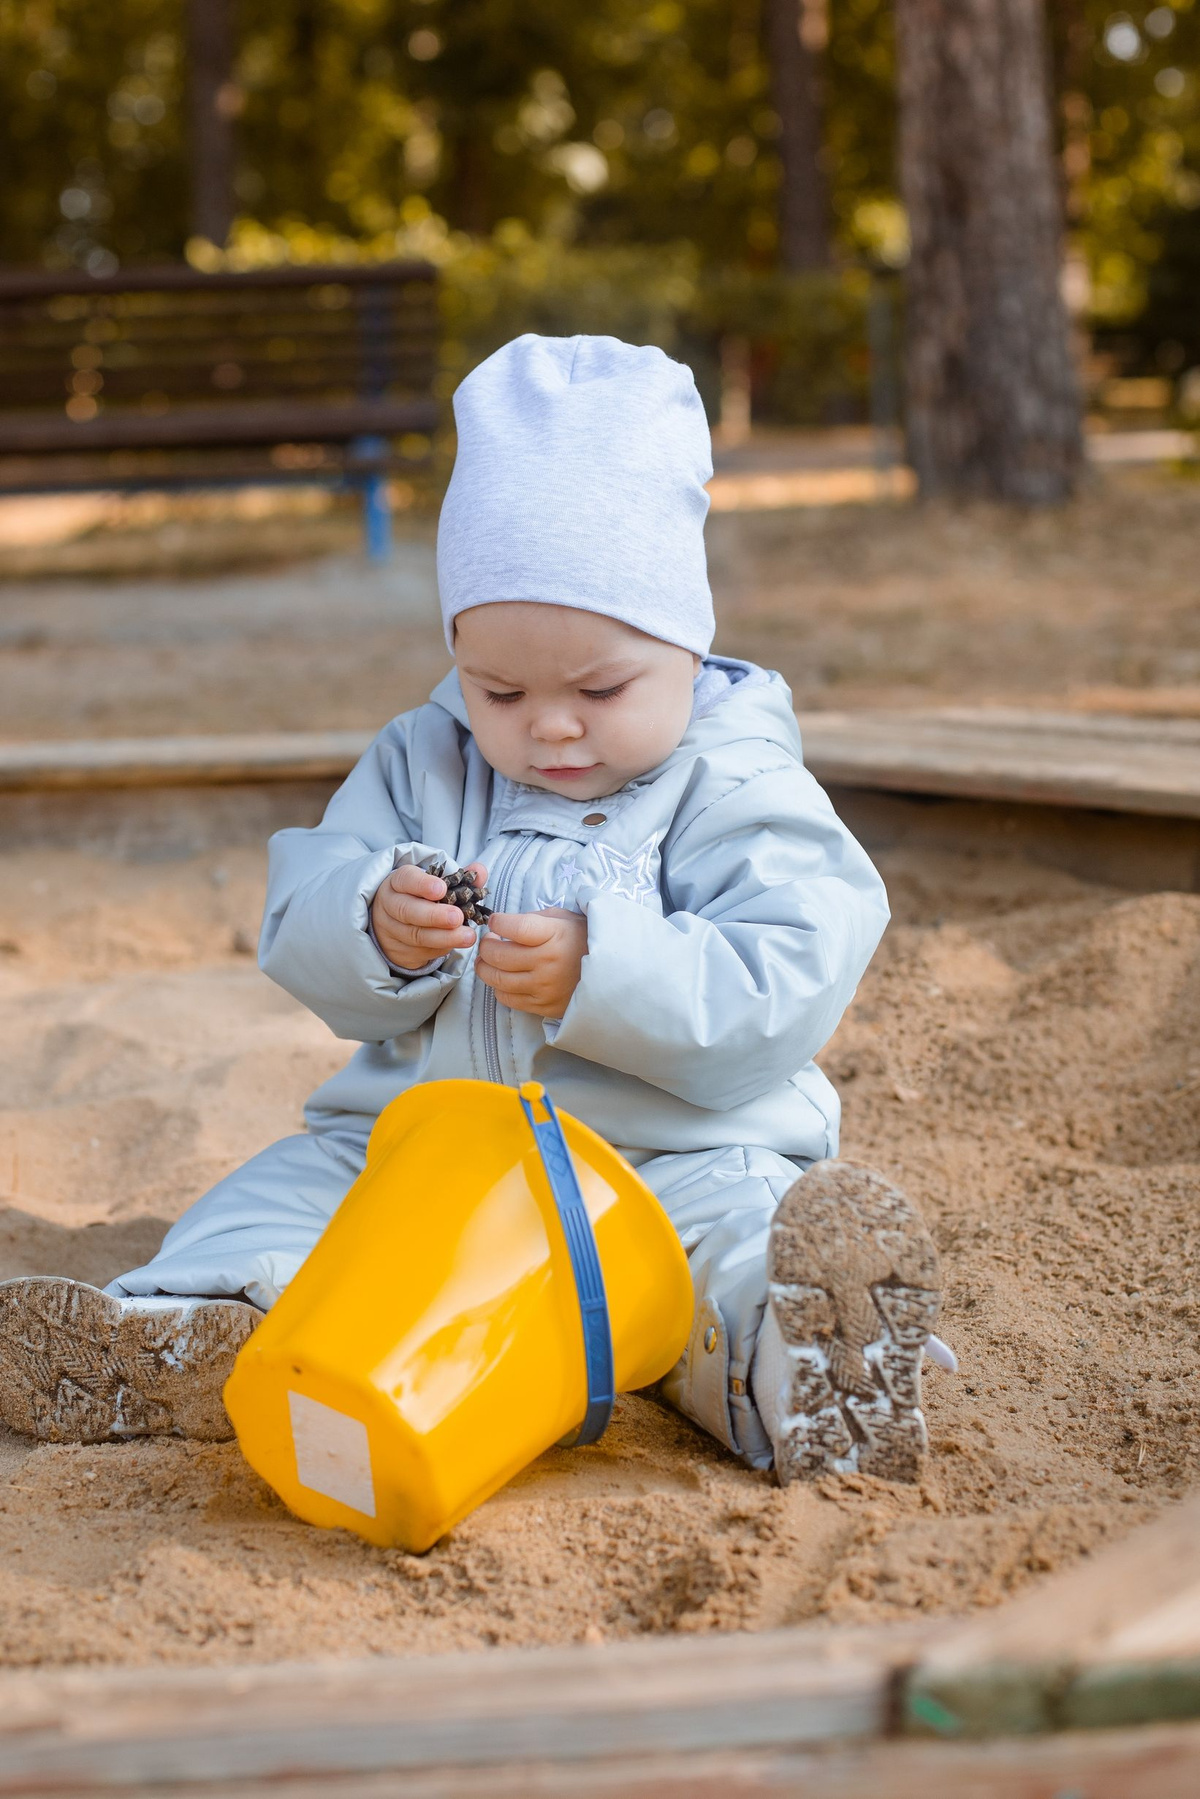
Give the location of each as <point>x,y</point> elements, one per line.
<point>167,378</point>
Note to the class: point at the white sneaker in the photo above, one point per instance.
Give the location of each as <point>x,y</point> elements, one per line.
<point>854,1290</point>
<point>79,1366</point>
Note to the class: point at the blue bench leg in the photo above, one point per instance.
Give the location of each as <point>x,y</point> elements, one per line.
<point>377,518</point>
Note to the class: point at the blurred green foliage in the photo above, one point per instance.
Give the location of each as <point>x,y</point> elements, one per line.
<point>809,329</point>
<point>609,168</point>
<point>1129,87</point>
<point>91,132</point>
<point>570,163</point>
<point>809,332</point>
<point>623,122</point>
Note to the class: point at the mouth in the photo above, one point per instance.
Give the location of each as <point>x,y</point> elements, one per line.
<point>567,774</point>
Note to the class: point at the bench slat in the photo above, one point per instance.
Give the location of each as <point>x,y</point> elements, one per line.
<point>271,422</point>
<point>30,284</point>
<point>168,377</point>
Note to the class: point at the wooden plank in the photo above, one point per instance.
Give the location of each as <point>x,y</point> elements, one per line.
<point>185,427</point>
<point>1171,1628</point>
<point>180,761</point>
<point>182,370</point>
<point>175,277</point>
<point>1155,1763</point>
<point>316,465</point>
<point>133,823</point>
<point>1115,1640</point>
<point>93,1729</point>
<point>127,473</point>
<point>1112,764</point>
<point>1125,850</point>
<point>1139,766</point>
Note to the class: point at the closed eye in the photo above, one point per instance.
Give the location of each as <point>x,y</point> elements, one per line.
<point>502,699</point>
<point>603,693</point>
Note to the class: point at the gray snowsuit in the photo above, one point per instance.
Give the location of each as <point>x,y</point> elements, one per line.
<point>730,917</point>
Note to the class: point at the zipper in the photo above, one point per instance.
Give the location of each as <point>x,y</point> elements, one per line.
<point>491,1035</point>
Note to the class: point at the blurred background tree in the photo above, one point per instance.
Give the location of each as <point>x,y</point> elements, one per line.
<point>475,129</point>
<point>625,122</point>
<point>992,391</point>
<point>795,34</point>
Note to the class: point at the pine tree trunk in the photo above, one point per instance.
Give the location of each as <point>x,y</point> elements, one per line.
<point>213,100</point>
<point>470,209</point>
<point>794,36</point>
<point>993,404</point>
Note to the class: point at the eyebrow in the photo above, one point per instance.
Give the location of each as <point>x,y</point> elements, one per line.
<point>596,674</point>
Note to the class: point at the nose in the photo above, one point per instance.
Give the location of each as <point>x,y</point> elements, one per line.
<point>556,724</point>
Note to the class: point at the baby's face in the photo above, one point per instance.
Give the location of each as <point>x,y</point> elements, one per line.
<point>570,701</point>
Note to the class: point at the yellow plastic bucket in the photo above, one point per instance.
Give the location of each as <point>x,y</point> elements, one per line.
<point>433,1344</point>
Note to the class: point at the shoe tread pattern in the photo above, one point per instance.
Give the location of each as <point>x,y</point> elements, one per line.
<point>78,1367</point>
<point>855,1285</point>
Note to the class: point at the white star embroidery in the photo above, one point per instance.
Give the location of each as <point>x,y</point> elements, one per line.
<point>568,871</point>
<point>631,876</point>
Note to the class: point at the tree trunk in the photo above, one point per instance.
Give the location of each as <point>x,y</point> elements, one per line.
<point>795,34</point>
<point>993,404</point>
<point>470,208</point>
<point>213,104</point>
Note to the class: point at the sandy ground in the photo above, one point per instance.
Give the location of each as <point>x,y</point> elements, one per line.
<point>857,604</point>
<point>1023,1055</point>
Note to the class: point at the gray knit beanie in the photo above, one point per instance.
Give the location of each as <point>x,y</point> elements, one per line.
<point>579,481</point>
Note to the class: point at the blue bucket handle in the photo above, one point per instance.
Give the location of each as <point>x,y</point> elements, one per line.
<point>585,1264</point>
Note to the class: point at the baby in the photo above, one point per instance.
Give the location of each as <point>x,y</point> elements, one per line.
<point>679,921</point>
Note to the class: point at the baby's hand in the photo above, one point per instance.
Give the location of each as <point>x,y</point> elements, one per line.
<point>411,927</point>
<point>532,960</point>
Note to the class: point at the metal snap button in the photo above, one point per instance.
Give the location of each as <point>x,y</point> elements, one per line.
<point>710,1339</point>
<point>596,818</point>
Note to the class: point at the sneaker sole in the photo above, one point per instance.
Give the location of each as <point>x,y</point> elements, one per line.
<point>855,1286</point>
<point>76,1366</point>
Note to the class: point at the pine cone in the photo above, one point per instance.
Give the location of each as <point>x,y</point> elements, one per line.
<point>462,892</point>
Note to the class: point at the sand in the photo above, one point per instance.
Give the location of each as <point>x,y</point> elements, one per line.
<point>858,605</point>
<point>1023,1056</point>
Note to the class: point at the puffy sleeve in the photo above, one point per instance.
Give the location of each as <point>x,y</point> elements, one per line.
<point>773,911</point>
<point>316,940</point>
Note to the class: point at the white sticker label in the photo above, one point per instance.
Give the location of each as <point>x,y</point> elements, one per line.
<point>333,1453</point>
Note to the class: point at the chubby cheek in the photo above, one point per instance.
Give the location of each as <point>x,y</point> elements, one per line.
<point>649,733</point>
<point>497,734</point>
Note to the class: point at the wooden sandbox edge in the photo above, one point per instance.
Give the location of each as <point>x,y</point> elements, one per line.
<point>215,760</point>
<point>1112,1644</point>
<point>1107,799</point>
<point>1095,761</point>
<point>103,1729</point>
<point>1114,1641</point>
